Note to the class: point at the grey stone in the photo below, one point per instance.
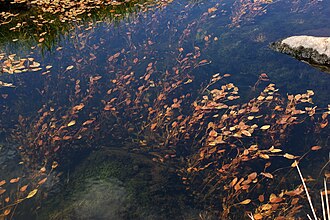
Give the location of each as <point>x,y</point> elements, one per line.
<point>314,50</point>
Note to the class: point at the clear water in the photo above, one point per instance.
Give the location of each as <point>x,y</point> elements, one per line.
<point>232,44</point>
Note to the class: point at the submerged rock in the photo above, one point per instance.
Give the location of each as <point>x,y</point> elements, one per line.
<point>314,50</point>
<point>113,184</point>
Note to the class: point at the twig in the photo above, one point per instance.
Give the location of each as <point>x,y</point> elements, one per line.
<point>326,198</point>
<point>306,190</point>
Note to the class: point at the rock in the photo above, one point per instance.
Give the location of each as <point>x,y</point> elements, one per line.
<point>314,50</point>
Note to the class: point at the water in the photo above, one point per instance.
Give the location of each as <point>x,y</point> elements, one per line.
<point>105,76</point>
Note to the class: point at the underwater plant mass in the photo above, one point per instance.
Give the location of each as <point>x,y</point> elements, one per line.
<point>161,109</point>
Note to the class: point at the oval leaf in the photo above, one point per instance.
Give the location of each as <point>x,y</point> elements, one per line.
<point>71,123</point>
<point>265,127</point>
<point>245,202</point>
<point>316,148</point>
<point>32,193</point>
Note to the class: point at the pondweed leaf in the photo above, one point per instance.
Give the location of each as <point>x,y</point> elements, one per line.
<point>69,68</point>
<point>245,202</point>
<point>54,165</point>
<point>14,180</point>
<point>71,123</point>
<point>265,127</point>
<point>23,188</point>
<point>2,191</point>
<point>32,193</point>
<point>289,156</point>
<point>314,148</point>
<point>6,212</point>
<point>42,181</point>
<point>268,175</point>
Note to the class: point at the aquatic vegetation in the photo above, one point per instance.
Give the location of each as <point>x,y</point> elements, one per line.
<point>48,20</point>
<point>246,10</point>
<point>231,153</point>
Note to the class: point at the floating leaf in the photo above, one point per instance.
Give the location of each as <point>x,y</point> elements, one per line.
<point>88,122</point>
<point>294,164</point>
<point>42,181</point>
<point>71,123</point>
<point>266,207</point>
<point>213,133</point>
<point>275,150</point>
<point>257,216</point>
<point>245,202</point>
<point>289,156</point>
<point>23,188</point>
<point>153,126</point>
<point>2,182</point>
<point>252,176</point>
<point>261,198</point>
<point>2,191</point>
<point>246,133</point>
<point>32,193</point>
<point>268,175</point>
<point>316,148</point>
<point>265,127</point>
<point>69,67</point>
<point>54,165</point>
<point>67,137</point>
<point>276,200</point>
<point>264,156</point>
<point>14,180</point>
<point>233,182</point>
<point>6,212</point>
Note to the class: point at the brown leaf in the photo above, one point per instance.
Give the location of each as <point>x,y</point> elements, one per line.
<point>268,175</point>
<point>32,193</point>
<point>54,165</point>
<point>252,176</point>
<point>257,216</point>
<point>233,182</point>
<point>246,133</point>
<point>264,156</point>
<point>42,181</point>
<point>6,212</point>
<point>14,180</point>
<point>289,156</point>
<point>2,191</point>
<point>65,138</point>
<point>23,188</point>
<point>316,148</point>
<point>276,200</point>
<point>90,121</point>
<point>153,126</point>
<point>245,202</point>
<point>265,127</point>
<point>69,68</point>
<point>213,133</point>
<point>71,123</point>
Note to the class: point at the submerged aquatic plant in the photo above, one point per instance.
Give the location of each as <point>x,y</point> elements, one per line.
<point>228,153</point>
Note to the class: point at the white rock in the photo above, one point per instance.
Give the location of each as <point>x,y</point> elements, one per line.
<point>320,44</point>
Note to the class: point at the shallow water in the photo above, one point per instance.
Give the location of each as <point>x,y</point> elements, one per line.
<point>232,42</point>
